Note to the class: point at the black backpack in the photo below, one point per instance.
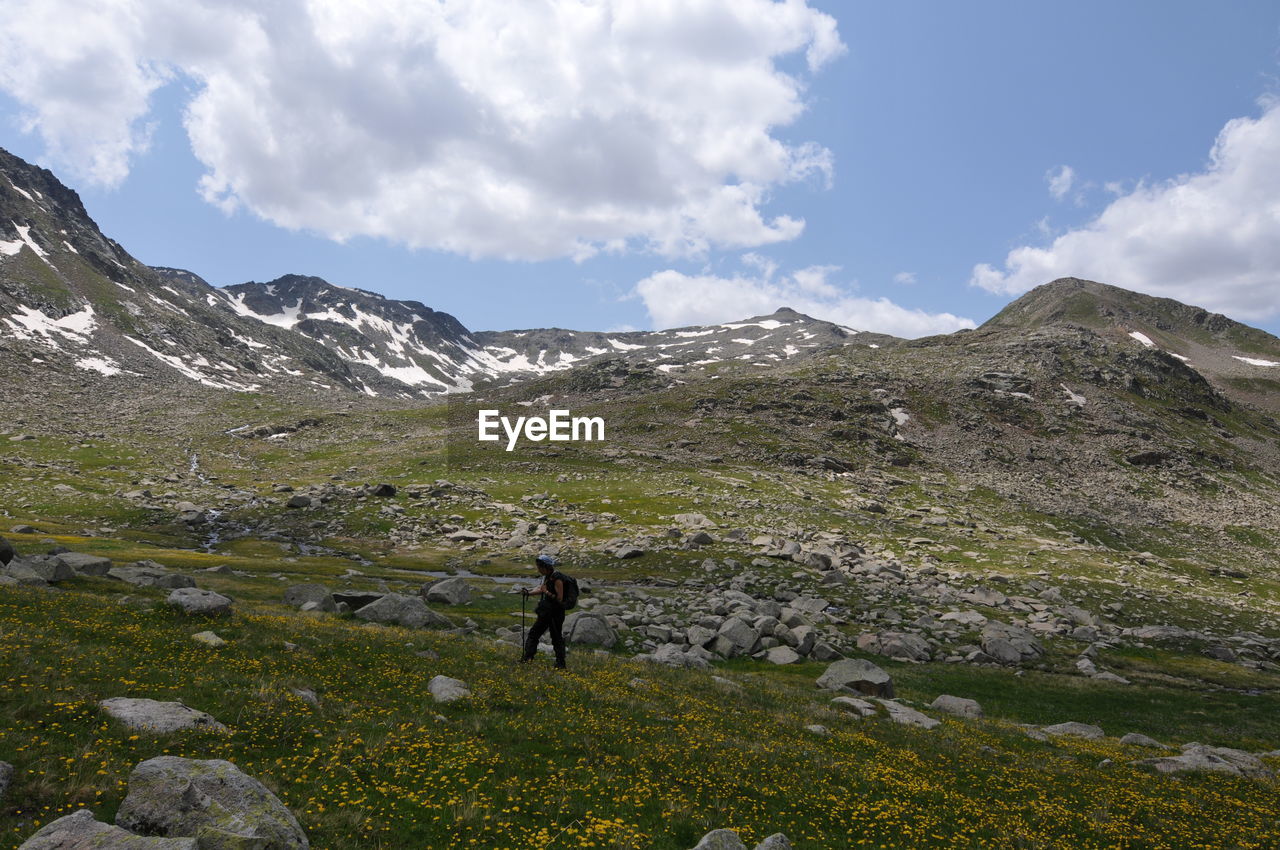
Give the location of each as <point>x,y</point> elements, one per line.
<point>570,589</point>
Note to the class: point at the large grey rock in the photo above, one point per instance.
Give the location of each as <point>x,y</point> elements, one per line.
<point>853,705</point>
<point>400,610</point>
<point>782,655</point>
<point>192,600</point>
<point>444,689</point>
<point>1137,739</point>
<point>1079,730</point>
<point>959,706</point>
<point>47,567</point>
<point>154,716</point>
<point>857,675</point>
<point>6,778</point>
<point>451,591</point>
<point>1200,758</point>
<point>17,572</point>
<point>85,564</point>
<point>896,645</point>
<point>693,520</point>
<point>727,839</point>
<point>7,552</point>
<point>298,595</point>
<point>907,715</point>
<point>1009,644</point>
<point>150,574</point>
<point>720,839</point>
<point>672,655</point>
<point>79,831</point>
<point>210,800</point>
<point>590,629</point>
<point>736,637</point>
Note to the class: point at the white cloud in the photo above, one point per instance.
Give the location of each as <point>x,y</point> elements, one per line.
<point>1060,180</point>
<point>904,278</point>
<point>482,127</point>
<point>674,299</point>
<point>1211,238</point>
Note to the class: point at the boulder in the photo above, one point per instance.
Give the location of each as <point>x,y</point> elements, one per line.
<point>720,839</point>
<point>736,637</point>
<point>298,595</point>
<point>590,629</point>
<point>908,716</point>
<point>383,491</point>
<point>782,655</point>
<point>959,706</point>
<point>160,717</point>
<point>1200,758</point>
<point>400,610</point>
<point>627,552</point>
<point>17,572</point>
<point>1079,730</point>
<point>7,552</point>
<point>672,655</point>
<point>47,567</point>
<point>298,501</point>
<point>857,675</point>
<point>208,639</point>
<point>1009,644</point>
<point>211,800</point>
<point>727,839</point>
<point>450,591</point>
<point>79,831</point>
<point>898,645</point>
<point>150,574</point>
<point>444,689</point>
<point>84,564</point>
<point>693,520</point>
<point>1137,739</point>
<point>192,600</point>
<point>853,705</point>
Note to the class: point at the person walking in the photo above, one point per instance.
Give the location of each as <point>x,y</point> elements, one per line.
<point>550,610</point>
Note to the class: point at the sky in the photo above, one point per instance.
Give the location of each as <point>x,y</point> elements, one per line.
<point>905,167</point>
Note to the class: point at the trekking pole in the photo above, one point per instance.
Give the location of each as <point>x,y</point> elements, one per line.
<point>524,598</point>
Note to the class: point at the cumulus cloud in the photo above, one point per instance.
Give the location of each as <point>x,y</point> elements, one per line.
<point>905,278</point>
<point>1060,181</point>
<point>1211,238</point>
<point>483,127</point>
<point>674,299</point>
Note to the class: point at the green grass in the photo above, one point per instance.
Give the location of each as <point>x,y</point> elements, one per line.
<point>614,754</point>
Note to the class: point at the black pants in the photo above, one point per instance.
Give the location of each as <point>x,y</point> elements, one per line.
<point>549,617</point>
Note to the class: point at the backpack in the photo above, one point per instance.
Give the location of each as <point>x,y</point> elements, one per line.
<point>570,589</point>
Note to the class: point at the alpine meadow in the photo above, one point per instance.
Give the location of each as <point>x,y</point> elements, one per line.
<point>286,564</point>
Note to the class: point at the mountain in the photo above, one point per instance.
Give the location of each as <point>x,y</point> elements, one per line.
<point>432,352</point>
<point>75,302</point>
<point>1242,361</point>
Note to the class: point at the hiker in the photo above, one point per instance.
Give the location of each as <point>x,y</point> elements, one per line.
<point>557,595</point>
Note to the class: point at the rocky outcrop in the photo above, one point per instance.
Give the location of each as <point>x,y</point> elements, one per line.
<point>211,800</point>
<point>159,717</point>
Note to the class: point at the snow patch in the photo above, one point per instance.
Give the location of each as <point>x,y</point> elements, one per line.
<point>105,365</point>
<point>1142,338</point>
<point>900,416</point>
<point>767,324</point>
<point>27,323</point>
<point>1253,361</point>
<point>1073,397</point>
<point>623,346</point>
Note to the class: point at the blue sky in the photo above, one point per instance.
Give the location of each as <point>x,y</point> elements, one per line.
<point>919,145</point>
